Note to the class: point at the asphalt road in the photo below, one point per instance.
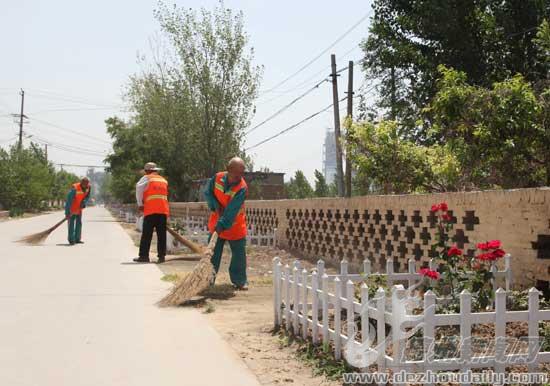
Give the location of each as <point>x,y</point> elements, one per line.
<point>83,315</point>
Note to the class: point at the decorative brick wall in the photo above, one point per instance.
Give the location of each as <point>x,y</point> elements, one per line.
<point>401,227</point>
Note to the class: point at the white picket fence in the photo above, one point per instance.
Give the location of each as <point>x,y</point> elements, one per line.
<point>197,230</point>
<point>311,305</point>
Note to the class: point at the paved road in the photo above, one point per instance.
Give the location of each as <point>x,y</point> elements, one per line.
<point>82,315</point>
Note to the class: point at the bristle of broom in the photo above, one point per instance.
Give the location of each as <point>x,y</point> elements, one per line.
<point>39,237</point>
<point>190,285</point>
<point>36,238</point>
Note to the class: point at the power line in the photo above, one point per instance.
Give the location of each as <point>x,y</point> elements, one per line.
<point>55,96</point>
<point>293,126</point>
<point>70,130</point>
<point>284,108</point>
<point>69,148</point>
<point>76,109</point>
<point>361,20</point>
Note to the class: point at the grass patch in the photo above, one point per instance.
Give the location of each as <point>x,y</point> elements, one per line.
<point>170,277</point>
<point>219,291</point>
<point>318,357</point>
<point>209,308</point>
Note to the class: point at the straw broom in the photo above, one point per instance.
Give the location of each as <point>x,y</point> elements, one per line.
<point>198,280</point>
<point>38,238</point>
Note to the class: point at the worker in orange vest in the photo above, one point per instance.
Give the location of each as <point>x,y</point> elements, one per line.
<point>152,200</point>
<point>76,201</point>
<point>225,194</point>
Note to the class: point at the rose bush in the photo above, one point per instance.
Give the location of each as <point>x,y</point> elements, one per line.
<point>456,271</point>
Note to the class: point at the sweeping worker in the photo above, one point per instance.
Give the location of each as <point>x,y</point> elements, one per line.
<point>152,200</point>
<point>76,201</point>
<point>225,194</point>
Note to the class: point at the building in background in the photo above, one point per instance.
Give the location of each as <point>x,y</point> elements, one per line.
<point>261,186</point>
<point>329,157</point>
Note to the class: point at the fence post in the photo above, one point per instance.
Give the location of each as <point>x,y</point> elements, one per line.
<point>337,318</point>
<point>295,300</point>
<point>287,297</point>
<point>350,311</point>
<point>398,335</point>
<point>344,277</point>
<point>508,269</point>
<point>366,267</point>
<point>304,305</point>
<point>412,269</point>
<point>465,331</point>
<point>325,309</point>
<point>389,272</point>
<point>429,330</point>
<point>320,272</point>
<point>533,320</point>
<point>314,307</point>
<point>364,313</point>
<point>276,291</point>
<point>500,330</point>
<point>381,329</point>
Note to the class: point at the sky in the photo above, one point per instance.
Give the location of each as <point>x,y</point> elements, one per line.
<point>73,60</point>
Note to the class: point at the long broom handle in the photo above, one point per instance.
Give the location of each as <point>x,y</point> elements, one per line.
<point>194,246</point>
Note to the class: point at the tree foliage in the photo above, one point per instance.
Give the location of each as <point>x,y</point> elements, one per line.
<point>488,40</point>
<point>28,181</point>
<point>321,187</point>
<point>298,186</point>
<point>479,137</point>
<point>191,105</point>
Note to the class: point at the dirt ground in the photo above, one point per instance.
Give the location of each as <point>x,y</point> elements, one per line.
<point>245,318</point>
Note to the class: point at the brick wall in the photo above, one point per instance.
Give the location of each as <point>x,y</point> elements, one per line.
<point>401,227</point>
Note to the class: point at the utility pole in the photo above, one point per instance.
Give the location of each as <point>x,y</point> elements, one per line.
<point>349,117</point>
<point>393,99</point>
<point>46,151</point>
<point>21,115</point>
<point>339,168</point>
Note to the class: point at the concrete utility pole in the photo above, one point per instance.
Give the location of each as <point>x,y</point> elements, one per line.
<point>21,116</point>
<point>349,116</point>
<point>339,168</point>
<point>46,151</point>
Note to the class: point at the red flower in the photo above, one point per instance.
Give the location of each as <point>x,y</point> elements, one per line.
<point>491,256</point>
<point>435,208</point>
<point>493,244</point>
<point>498,253</point>
<point>482,246</point>
<point>429,273</point>
<point>443,206</point>
<point>446,217</point>
<point>454,251</point>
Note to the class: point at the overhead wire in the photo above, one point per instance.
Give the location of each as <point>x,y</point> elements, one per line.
<point>286,107</point>
<point>293,126</point>
<point>310,62</point>
<point>69,130</point>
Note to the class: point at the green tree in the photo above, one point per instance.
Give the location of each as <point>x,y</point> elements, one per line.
<point>299,187</point>
<point>488,40</point>
<point>27,178</point>
<point>321,187</point>
<point>500,135</point>
<point>387,163</point>
<point>191,105</point>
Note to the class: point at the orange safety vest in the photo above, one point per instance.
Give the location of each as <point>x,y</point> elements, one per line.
<point>238,229</point>
<point>78,198</point>
<point>155,196</point>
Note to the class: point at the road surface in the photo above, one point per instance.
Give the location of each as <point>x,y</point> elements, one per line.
<point>83,316</point>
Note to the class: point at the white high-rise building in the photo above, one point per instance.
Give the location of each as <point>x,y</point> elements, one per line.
<point>329,157</point>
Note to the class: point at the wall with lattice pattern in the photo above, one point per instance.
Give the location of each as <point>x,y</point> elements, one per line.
<point>402,227</point>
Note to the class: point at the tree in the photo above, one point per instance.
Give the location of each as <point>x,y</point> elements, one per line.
<point>488,40</point>
<point>501,135</point>
<point>321,186</point>
<point>191,105</point>
<point>29,182</point>
<point>387,163</point>
<point>299,187</point>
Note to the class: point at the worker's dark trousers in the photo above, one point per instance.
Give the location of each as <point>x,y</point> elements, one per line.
<point>158,223</point>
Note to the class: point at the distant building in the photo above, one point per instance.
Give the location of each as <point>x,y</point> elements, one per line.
<point>261,186</point>
<point>329,157</point>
